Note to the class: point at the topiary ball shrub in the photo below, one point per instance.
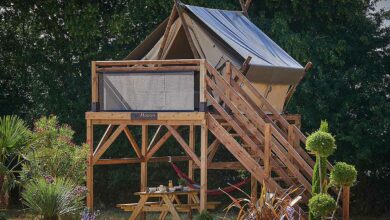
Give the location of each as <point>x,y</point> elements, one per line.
<point>322,205</point>
<point>343,174</point>
<point>321,143</point>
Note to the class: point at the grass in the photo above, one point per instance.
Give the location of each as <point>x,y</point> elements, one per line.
<point>116,214</point>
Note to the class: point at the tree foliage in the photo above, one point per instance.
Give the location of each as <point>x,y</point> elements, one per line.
<point>46,48</point>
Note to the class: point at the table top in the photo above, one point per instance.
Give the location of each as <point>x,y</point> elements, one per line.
<point>192,191</point>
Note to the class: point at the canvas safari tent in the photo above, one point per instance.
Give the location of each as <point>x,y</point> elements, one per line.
<point>219,36</point>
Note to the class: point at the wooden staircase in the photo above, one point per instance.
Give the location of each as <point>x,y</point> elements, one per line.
<point>271,150</point>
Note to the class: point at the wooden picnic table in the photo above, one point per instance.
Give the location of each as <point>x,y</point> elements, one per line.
<point>169,203</point>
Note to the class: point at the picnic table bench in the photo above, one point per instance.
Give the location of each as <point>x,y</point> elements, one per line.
<point>169,203</point>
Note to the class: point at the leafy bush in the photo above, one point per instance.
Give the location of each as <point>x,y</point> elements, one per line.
<point>51,197</point>
<point>53,153</point>
<point>204,215</point>
<point>321,143</point>
<point>343,174</point>
<point>322,205</point>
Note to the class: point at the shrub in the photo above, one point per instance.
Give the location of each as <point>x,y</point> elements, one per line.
<point>343,174</point>
<point>204,215</point>
<point>321,143</point>
<point>51,197</point>
<point>53,153</point>
<point>321,205</point>
<point>14,136</point>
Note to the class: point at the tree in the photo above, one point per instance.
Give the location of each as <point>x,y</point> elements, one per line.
<point>44,66</point>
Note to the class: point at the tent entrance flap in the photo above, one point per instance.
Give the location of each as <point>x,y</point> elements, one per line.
<point>147,91</point>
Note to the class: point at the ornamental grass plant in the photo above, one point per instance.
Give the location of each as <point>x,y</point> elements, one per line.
<point>51,198</point>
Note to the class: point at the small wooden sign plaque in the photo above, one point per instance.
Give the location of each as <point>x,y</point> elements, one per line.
<point>144,116</point>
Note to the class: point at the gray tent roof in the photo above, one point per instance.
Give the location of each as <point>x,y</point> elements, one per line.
<point>244,37</point>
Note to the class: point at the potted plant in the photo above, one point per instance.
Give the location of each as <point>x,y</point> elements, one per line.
<point>182,183</point>
<point>14,136</point>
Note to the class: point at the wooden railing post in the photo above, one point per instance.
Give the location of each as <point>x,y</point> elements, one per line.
<point>346,198</point>
<point>202,86</point>
<point>290,138</point>
<point>267,149</point>
<point>95,88</point>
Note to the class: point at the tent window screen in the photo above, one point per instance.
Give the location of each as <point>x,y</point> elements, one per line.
<point>157,91</point>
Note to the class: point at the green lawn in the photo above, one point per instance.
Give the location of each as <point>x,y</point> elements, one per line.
<point>114,214</point>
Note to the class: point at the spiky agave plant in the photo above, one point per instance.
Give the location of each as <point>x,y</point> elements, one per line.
<point>267,206</point>
<point>51,198</point>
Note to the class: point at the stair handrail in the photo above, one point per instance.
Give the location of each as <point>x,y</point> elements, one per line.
<point>276,114</point>
<point>277,134</point>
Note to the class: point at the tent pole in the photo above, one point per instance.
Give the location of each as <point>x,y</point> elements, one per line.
<point>308,66</point>
<point>186,29</point>
<point>243,8</point>
<point>172,17</point>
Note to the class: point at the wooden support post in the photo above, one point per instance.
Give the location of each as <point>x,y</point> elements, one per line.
<point>144,165</point>
<point>203,167</point>
<point>254,188</point>
<point>90,165</point>
<point>191,163</point>
<point>346,195</point>
<point>267,149</point>
<point>290,139</point>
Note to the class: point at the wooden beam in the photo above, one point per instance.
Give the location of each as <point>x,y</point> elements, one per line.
<point>107,144</point>
<point>145,122</point>
<point>95,83</point>
<point>133,142</point>
<point>245,66</point>
<point>292,89</point>
<point>202,86</point>
<point>186,30</point>
<point>212,150</point>
<point>191,143</point>
<point>346,199</point>
<point>159,144</point>
<point>145,62</point>
<point>254,187</point>
<point>161,116</point>
<point>172,17</point>
<point>248,4</point>
<point>90,165</point>
<point>224,166</point>
<point>184,145</point>
<point>267,150</point>
<point>241,155</point>
<point>243,8</point>
<point>147,69</point>
<point>203,167</point>
<point>116,161</point>
<point>106,134</point>
<point>144,165</point>
<point>155,136</point>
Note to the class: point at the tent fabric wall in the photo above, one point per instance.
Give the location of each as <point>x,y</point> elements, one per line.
<point>156,91</point>
<point>221,36</point>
